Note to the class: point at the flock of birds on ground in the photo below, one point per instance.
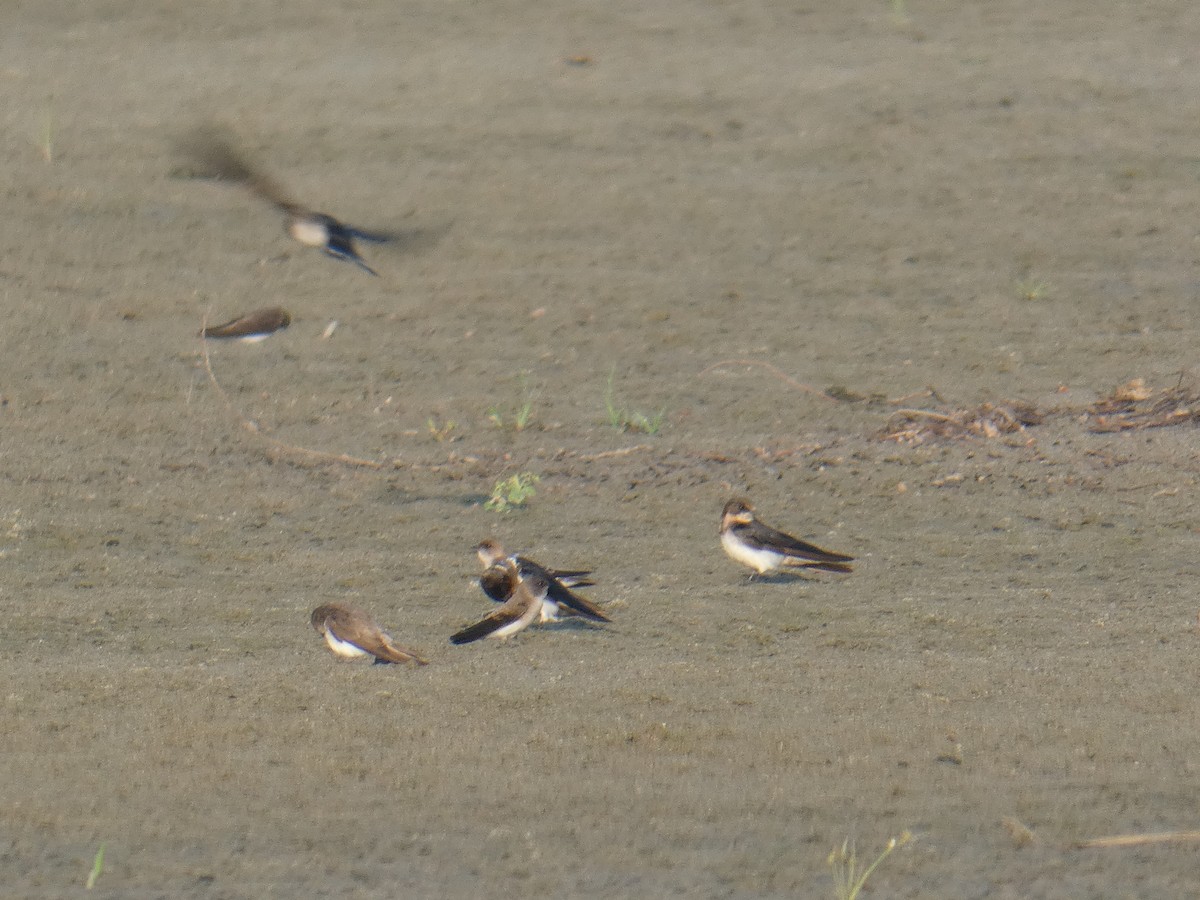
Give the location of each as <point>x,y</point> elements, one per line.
<point>526,591</point>
<point>529,592</point>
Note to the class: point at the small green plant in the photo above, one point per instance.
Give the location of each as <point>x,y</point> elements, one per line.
<point>1033,290</point>
<point>97,868</point>
<point>848,881</point>
<point>512,492</point>
<point>637,421</point>
<point>521,415</point>
<point>440,431</point>
<point>623,419</point>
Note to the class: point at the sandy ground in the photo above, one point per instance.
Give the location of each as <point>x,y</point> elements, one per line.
<point>997,201</point>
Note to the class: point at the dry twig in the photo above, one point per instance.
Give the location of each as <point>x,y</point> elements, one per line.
<point>252,426</point>
<point>782,376</point>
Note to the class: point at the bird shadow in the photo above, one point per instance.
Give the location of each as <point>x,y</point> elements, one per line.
<point>572,623</point>
<point>774,578</point>
<point>416,240</point>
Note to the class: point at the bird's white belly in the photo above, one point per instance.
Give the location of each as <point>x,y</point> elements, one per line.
<point>343,648</point>
<point>511,628</point>
<point>761,560</point>
<point>309,233</point>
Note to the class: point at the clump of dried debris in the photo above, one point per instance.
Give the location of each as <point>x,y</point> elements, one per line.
<point>986,421</point>
<point>1134,406</point>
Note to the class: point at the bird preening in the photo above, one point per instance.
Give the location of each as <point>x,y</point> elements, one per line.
<point>498,583</point>
<point>351,633</point>
<point>527,592</point>
<point>524,604</point>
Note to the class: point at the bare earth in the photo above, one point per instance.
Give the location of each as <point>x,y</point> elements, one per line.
<point>997,201</point>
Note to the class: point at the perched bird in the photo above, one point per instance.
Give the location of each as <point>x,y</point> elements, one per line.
<point>219,159</point>
<point>351,632</point>
<point>498,583</point>
<point>252,327</point>
<point>518,611</point>
<point>762,548</point>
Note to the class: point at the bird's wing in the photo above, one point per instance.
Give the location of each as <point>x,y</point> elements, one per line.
<point>764,537</point>
<point>215,155</point>
<point>560,594</point>
<point>520,609</point>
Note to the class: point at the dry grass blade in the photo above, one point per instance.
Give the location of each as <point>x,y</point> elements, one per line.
<point>252,427</point>
<point>1140,840</point>
<point>612,454</point>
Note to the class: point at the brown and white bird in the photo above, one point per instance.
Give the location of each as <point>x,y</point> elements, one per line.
<point>350,632</point>
<point>498,583</point>
<point>252,327</point>
<point>218,159</point>
<point>524,604</point>
<point>764,549</point>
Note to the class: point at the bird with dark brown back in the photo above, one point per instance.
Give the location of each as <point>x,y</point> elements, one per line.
<point>764,549</point>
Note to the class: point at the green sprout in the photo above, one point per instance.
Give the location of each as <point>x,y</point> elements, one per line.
<point>512,492</point>
<point>623,419</point>
<point>97,868</point>
<point>847,880</point>
<point>440,430</point>
<point>1033,290</point>
<point>521,415</point>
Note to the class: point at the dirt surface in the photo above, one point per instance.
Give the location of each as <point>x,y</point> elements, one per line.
<point>997,202</point>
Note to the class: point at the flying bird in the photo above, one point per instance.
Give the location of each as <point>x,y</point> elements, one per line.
<point>516,614</point>
<point>218,159</point>
<point>498,583</point>
<point>252,327</point>
<point>351,633</point>
<point>757,545</point>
